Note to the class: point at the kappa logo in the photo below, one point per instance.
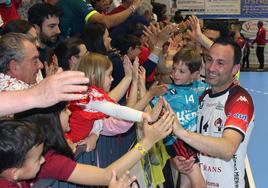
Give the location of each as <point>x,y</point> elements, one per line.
<point>242,98</point>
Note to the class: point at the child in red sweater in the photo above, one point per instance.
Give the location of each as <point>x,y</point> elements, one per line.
<point>99,104</point>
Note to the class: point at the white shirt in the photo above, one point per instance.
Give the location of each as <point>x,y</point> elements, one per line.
<point>232,109</point>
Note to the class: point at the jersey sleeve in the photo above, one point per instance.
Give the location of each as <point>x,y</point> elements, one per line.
<point>85,9</point>
<point>239,109</point>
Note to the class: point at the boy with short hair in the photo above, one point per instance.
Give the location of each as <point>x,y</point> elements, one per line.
<point>183,97</point>
<point>21,147</point>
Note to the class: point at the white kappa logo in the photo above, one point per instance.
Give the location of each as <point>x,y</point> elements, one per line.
<point>242,98</point>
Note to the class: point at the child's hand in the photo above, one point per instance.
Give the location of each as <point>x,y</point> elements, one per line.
<point>126,181</point>
<point>157,90</point>
<point>153,116</point>
<point>90,142</point>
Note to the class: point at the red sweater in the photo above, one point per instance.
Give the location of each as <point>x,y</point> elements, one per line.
<point>81,120</point>
<point>261,37</point>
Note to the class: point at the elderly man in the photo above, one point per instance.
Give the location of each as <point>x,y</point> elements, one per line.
<point>19,65</point>
<point>19,61</point>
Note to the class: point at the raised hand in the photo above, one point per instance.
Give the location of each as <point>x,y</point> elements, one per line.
<point>157,90</point>
<point>135,70</point>
<point>177,127</point>
<point>151,32</point>
<point>157,36</point>
<point>53,67</point>
<point>62,86</point>
<point>166,32</point>
<point>142,78</point>
<point>195,31</point>
<point>175,44</point>
<point>154,114</point>
<point>128,68</point>
<point>160,129</point>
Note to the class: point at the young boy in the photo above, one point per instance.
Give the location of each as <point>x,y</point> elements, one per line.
<point>21,147</point>
<point>183,97</point>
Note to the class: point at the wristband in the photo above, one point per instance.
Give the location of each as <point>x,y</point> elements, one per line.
<point>140,148</point>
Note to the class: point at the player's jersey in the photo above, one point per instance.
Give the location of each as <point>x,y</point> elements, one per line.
<point>184,99</point>
<point>230,109</point>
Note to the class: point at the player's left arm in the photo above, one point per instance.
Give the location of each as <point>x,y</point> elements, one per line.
<point>234,131</point>
<point>221,147</point>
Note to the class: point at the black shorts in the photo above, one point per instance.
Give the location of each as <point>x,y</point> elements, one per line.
<point>180,148</point>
